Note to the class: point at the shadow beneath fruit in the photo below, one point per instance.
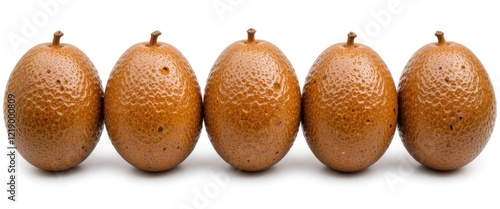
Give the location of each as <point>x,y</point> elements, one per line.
<point>346,175</point>
<point>436,173</point>
<point>147,174</point>
<point>251,174</point>
<point>58,174</point>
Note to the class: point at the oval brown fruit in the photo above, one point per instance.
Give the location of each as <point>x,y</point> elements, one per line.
<point>153,107</point>
<point>349,103</point>
<point>252,104</point>
<point>447,105</point>
<point>53,106</point>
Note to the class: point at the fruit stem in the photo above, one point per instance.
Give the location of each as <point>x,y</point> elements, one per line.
<point>57,37</point>
<point>440,36</point>
<point>251,35</point>
<point>350,39</point>
<point>154,38</point>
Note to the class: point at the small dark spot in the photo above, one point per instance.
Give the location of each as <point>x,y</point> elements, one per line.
<point>390,126</point>
<point>367,120</point>
<point>394,110</point>
<point>277,152</point>
<point>440,68</point>
<point>164,149</point>
<point>164,71</point>
<point>243,118</point>
<point>58,82</point>
<point>378,132</point>
<point>276,86</point>
<point>248,161</point>
<point>314,81</point>
<point>324,77</point>
<point>62,88</point>
<point>178,147</point>
<point>83,147</point>
<point>451,127</point>
<point>463,67</point>
<point>460,117</point>
<point>160,129</point>
<point>446,80</point>
<point>353,110</point>
<point>48,71</point>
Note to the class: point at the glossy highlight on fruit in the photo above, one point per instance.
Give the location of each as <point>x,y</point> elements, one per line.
<point>349,107</point>
<point>447,105</point>
<point>56,96</point>
<point>153,106</point>
<point>252,104</point>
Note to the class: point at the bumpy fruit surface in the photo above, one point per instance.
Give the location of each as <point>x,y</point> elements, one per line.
<point>252,104</point>
<point>55,97</point>
<point>350,107</point>
<point>153,106</point>
<point>447,105</point>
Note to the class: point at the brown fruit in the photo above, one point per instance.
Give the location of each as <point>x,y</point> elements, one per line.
<point>252,104</point>
<point>153,106</point>
<point>447,105</point>
<point>53,106</point>
<point>349,106</point>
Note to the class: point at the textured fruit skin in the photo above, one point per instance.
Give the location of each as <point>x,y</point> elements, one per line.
<point>59,97</point>
<point>349,107</point>
<point>153,107</point>
<point>447,106</point>
<point>252,105</point>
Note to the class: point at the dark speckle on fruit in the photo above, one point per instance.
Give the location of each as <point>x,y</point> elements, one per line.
<point>277,86</point>
<point>164,71</point>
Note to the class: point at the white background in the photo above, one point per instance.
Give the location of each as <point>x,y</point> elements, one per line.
<point>302,30</point>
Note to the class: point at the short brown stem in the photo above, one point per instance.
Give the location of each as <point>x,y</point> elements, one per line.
<point>154,38</point>
<point>350,39</point>
<point>440,36</point>
<point>251,35</point>
<point>57,37</point>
